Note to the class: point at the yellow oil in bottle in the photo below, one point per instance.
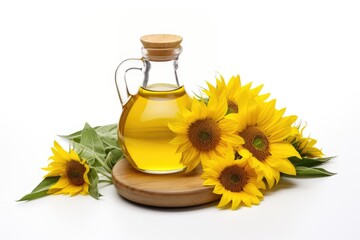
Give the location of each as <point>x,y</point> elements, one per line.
<point>144,132</point>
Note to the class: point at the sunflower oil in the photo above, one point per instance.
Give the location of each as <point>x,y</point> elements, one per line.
<point>144,132</point>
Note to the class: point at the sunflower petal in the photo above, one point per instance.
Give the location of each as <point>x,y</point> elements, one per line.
<point>217,107</point>
<point>235,201</point>
<point>179,139</point>
<point>210,182</point>
<point>74,190</point>
<point>197,109</point>
<point>282,165</point>
<point>183,147</point>
<point>228,124</point>
<point>245,199</point>
<point>64,155</point>
<point>252,190</point>
<point>283,150</point>
<point>254,200</point>
<point>225,199</point>
<point>61,183</point>
<point>73,155</point>
<point>219,189</point>
<point>268,174</point>
<point>54,173</point>
<point>178,127</point>
<point>190,159</point>
<point>85,190</point>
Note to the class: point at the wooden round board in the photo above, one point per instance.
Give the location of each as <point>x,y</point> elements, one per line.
<point>161,190</point>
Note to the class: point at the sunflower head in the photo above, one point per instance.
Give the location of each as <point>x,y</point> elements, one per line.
<point>264,130</point>
<point>234,93</point>
<point>203,131</point>
<point>235,180</point>
<point>304,145</point>
<point>72,170</point>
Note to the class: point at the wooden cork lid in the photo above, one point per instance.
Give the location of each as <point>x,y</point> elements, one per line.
<point>161,41</point>
<point>161,47</point>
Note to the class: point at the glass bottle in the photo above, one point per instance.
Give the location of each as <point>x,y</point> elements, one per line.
<point>143,126</point>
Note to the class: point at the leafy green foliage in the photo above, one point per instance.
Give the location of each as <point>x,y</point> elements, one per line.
<point>90,146</point>
<point>94,179</point>
<point>41,190</point>
<point>98,145</point>
<point>309,162</point>
<point>312,172</point>
<point>109,131</point>
<point>307,167</point>
<point>113,157</point>
<point>101,149</point>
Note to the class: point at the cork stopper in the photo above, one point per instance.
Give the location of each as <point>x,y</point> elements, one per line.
<point>161,47</point>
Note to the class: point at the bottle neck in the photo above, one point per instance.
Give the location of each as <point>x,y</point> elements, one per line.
<point>161,75</point>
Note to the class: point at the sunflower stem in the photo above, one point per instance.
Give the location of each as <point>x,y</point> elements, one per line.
<point>105,181</point>
<point>105,174</point>
<point>104,165</point>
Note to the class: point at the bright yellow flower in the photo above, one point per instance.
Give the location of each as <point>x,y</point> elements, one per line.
<point>264,130</point>
<point>305,146</point>
<point>72,170</point>
<point>235,180</point>
<point>203,132</point>
<point>233,92</point>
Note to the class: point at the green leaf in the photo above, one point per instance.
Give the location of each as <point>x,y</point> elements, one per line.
<point>110,144</point>
<point>108,135</point>
<point>106,130</point>
<point>75,137</point>
<point>41,189</point>
<point>312,172</point>
<point>94,179</point>
<point>90,146</point>
<point>309,162</point>
<point>113,157</point>
<point>90,139</point>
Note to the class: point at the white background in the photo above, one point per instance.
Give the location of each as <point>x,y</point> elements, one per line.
<point>57,61</point>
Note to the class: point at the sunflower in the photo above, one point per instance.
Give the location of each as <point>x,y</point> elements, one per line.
<point>304,145</point>
<point>235,180</point>
<point>72,170</point>
<point>233,92</point>
<point>203,131</point>
<point>264,131</point>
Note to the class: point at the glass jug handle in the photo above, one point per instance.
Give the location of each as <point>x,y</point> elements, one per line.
<point>122,69</point>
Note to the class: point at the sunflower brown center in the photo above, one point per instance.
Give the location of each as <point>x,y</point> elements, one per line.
<point>232,107</point>
<point>75,172</point>
<point>204,134</point>
<point>256,142</point>
<point>233,178</point>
